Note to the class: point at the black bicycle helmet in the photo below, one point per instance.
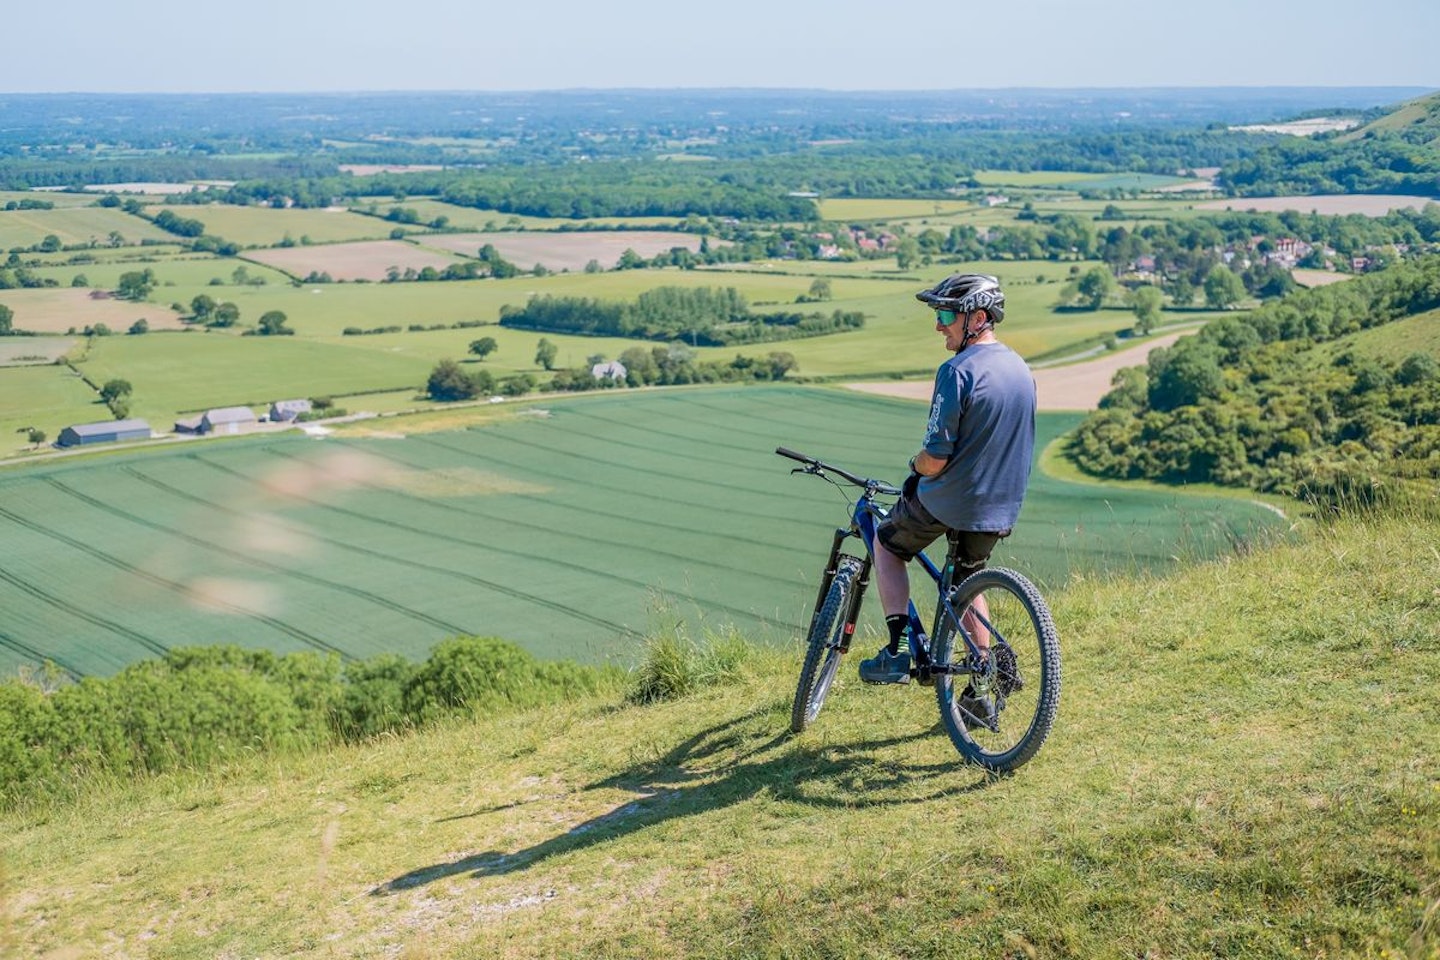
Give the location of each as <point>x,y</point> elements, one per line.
<point>966,292</point>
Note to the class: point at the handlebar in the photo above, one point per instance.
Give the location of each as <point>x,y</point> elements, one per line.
<point>820,468</point>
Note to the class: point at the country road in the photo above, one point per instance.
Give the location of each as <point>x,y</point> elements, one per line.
<point>1078,386</point>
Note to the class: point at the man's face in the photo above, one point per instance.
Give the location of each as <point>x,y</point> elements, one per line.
<point>954,332</point>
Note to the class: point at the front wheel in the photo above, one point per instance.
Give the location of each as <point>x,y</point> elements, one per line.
<point>823,645</point>
<point>1000,716</point>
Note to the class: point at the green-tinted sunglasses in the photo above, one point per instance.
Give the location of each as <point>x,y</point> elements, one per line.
<point>946,317</point>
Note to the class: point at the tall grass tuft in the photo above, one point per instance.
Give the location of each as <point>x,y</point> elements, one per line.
<point>675,665</point>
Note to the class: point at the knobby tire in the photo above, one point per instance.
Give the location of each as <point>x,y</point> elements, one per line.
<point>822,650</point>
<point>1023,618</point>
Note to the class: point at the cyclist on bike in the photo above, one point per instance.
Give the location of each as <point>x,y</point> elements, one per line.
<point>968,480</point>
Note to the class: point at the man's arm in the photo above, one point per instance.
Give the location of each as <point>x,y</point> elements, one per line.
<point>926,464</point>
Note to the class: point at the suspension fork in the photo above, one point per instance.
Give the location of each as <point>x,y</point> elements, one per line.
<point>832,565</point>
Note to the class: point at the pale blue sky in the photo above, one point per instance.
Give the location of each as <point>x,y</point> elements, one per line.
<point>305,45</point>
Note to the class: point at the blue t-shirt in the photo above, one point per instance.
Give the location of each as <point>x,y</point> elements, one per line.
<point>982,421</point>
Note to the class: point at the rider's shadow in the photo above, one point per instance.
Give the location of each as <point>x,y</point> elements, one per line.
<point>683,783</point>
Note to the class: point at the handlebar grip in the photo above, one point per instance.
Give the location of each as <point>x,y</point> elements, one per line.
<point>787,452</point>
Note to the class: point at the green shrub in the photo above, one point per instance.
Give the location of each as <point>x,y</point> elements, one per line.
<point>374,700</point>
<point>199,706</point>
<point>475,674</point>
<point>24,719</point>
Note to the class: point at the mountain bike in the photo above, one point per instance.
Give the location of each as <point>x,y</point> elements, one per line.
<point>997,705</point>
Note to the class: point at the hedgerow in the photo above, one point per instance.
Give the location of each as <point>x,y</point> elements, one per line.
<point>199,706</point>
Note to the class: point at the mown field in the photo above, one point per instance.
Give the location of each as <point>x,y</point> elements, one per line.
<point>360,260</point>
<point>570,527</point>
<point>266,226</point>
<point>65,309</point>
<point>42,396</point>
<point>73,226</point>
<point>565,251</point>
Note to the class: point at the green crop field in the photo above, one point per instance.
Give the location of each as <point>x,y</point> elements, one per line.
<point>267,226</point>
<point>571,529</point>
<point>59,198</point>
<point>190,270</point>
<point>46,397</point>
<point>73,226</point>
<point>194,370</point>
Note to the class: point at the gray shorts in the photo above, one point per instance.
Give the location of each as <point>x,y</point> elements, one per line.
<point>911,528</point>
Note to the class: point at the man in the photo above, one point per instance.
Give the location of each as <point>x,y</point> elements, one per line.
<point>968,480</point>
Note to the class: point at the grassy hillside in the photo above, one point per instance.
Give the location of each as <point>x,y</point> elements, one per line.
<point>1418,120</point>
<point>1244,766</point>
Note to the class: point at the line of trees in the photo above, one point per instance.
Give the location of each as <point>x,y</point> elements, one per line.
<point>700,316</point>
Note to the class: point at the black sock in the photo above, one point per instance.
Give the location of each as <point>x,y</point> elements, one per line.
<point>897,625</point>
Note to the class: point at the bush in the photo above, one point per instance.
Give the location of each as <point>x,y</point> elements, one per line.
<point>374,698</point>
<point>481,674</point>
<point>199,706</point>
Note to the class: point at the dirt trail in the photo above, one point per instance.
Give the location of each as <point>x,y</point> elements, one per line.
<point>1076,387</point>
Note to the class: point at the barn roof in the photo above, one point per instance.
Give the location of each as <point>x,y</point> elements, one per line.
<point>230,415</point>
<point>109,426</point>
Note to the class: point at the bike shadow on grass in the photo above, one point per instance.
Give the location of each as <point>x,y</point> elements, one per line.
<point>719,767</point>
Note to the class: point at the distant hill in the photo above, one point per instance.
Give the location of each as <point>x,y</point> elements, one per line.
<point>1415,121</point>
<point>1397,152</point>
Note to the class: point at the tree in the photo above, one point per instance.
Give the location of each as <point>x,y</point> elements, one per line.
<point>50,244</point>
<point>908,254</point>
<point>120,408</point>
<point>483,347</point>
<point>135,284</point>
<point>272,324</point>
<point>1223,288</point>
<point>820,289</point>
<point>630,260</point>
<point>1146,301</point>
<point>7,319</point>
<point>226,315</point>
<point>140,326</point>
<point>115,389</point>
<point>448,382</point>
<point>1094,286</point>
<point>202,307</point>
<point>36,436</point>
<point>545,353</point>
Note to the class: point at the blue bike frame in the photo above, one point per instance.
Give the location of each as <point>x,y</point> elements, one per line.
<point>864,519</point>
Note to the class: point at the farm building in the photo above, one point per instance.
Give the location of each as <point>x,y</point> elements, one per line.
<point>226,420</point>
<point>287,411</point>
<point>109,431</point>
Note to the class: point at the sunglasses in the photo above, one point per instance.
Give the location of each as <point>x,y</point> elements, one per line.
<point>946,317</point>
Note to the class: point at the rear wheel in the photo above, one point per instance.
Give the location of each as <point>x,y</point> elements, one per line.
<point>823,645</point>
<point>1000,716</point>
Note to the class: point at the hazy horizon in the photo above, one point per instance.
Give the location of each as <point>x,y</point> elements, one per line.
<point>302,46</point>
